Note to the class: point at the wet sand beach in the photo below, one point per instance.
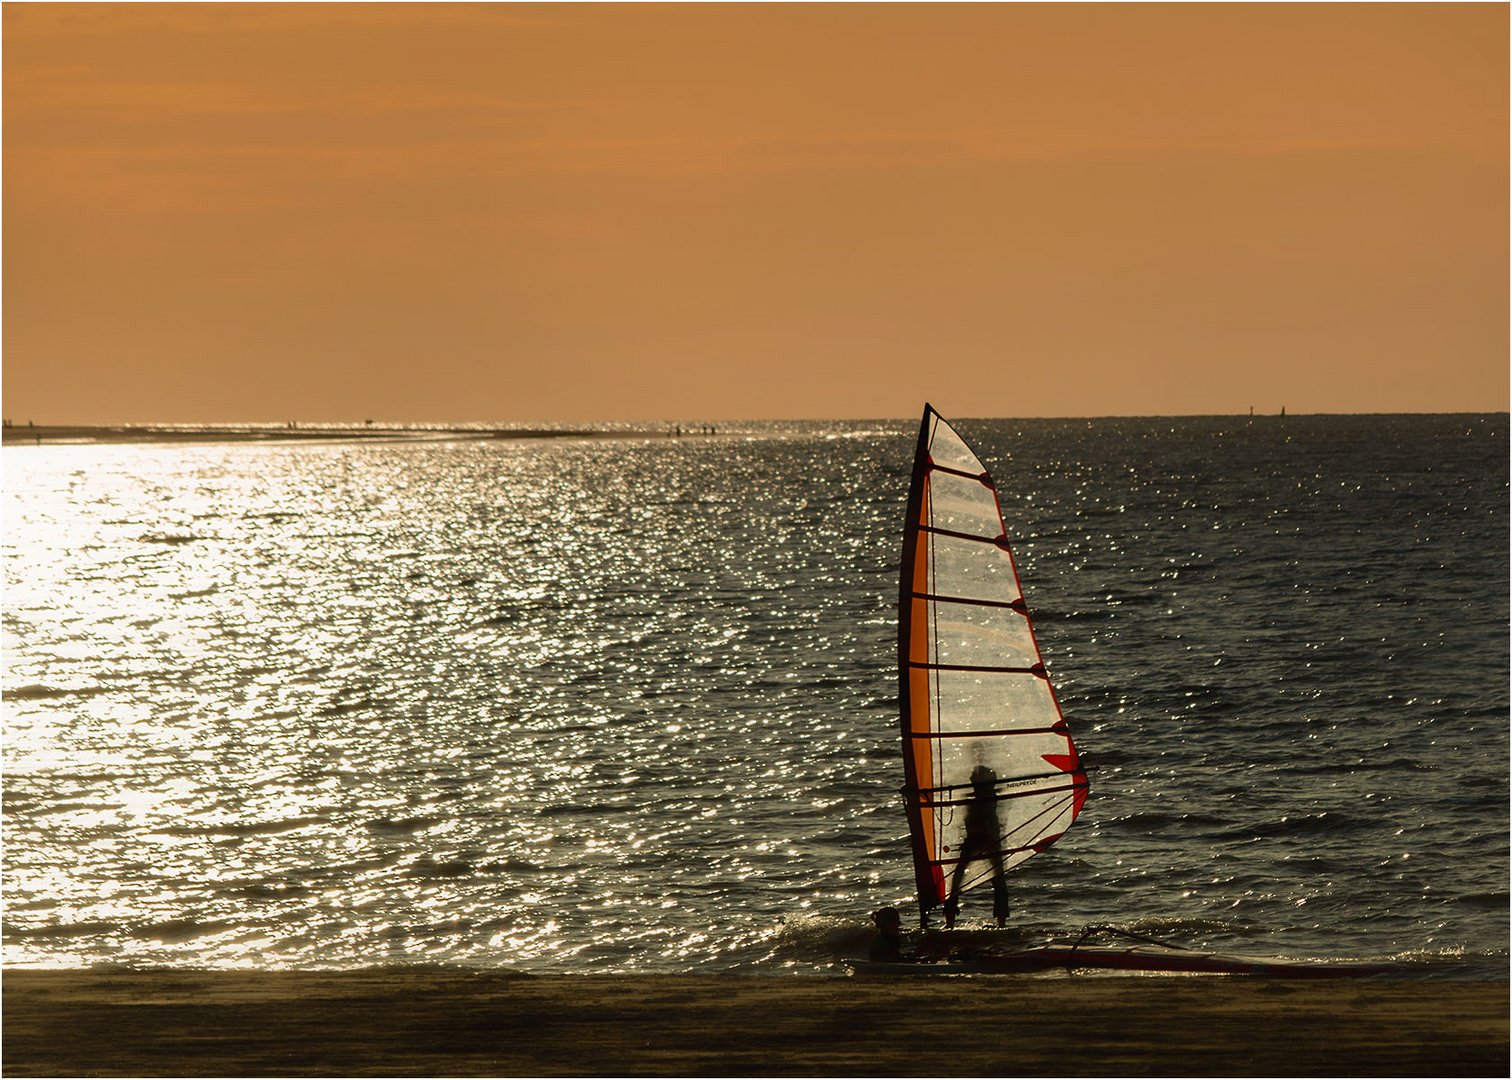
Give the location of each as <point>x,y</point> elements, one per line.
<point>33,435</point>
<point>419,1022</point>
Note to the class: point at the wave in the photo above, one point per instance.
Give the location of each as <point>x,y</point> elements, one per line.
<point>1162,926</point>
<point>243,828</point>
<point>820,938</point>
<point>427,867</point>
<point>1155,821</point>
<point>403,826</point>
<point>60,930</point>
<point>278,890</point>
<point>39,692</point>
<point>1364,764</point>
<point>1323,822</point>
<point>176,931</point>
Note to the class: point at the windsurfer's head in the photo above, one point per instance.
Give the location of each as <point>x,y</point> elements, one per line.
<point>982,776</point>
<point>888,920</point>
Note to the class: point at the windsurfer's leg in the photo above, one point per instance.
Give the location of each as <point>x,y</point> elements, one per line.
<point>999,890</point>
<point>953,900</point>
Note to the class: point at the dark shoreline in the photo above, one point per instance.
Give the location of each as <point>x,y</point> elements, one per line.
<point>445,1022</point>
<point>38,435</point>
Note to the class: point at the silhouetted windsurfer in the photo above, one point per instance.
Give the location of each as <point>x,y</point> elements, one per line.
<point>983,841</point>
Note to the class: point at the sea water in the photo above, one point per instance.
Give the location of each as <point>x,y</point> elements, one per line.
<point>629,704</point>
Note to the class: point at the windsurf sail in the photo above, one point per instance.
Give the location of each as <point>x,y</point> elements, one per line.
<point>973,690</point>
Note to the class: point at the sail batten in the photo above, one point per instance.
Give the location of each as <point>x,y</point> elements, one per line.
<point>1016,605</point>
<point>1056,729</point>
<point>998,540</point>
<point>979,667</point>
<point>975,697</point>
<point>980,477</point>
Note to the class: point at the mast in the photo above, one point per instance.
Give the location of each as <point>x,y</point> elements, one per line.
<point>927,879</point>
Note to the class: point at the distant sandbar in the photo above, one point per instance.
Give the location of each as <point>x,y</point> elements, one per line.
<point>36,435</point>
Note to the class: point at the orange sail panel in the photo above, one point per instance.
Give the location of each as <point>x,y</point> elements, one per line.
<point>982,730</point>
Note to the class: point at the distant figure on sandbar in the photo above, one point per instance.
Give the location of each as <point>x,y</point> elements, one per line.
<point>887,946</point>
<point>983,841</point>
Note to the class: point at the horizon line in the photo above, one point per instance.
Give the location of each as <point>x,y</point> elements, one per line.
<point>620,422</point>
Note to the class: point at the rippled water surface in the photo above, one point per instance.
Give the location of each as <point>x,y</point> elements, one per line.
<point>630,704</point>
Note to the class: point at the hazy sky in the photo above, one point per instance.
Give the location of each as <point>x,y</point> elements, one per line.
<point>580,212</point>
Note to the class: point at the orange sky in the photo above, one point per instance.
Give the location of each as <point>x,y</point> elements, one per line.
<point>583,212</point>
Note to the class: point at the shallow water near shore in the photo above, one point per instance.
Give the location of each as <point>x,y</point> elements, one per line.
<point>630,705</point>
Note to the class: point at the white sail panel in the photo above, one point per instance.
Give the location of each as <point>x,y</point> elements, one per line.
<point>983,636</point>
<point>970,569</point>
<point>948,449</point>
<point>963,504</point>
<point>981,701</point>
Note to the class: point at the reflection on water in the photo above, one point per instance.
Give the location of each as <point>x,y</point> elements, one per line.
<point>630,704</point>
